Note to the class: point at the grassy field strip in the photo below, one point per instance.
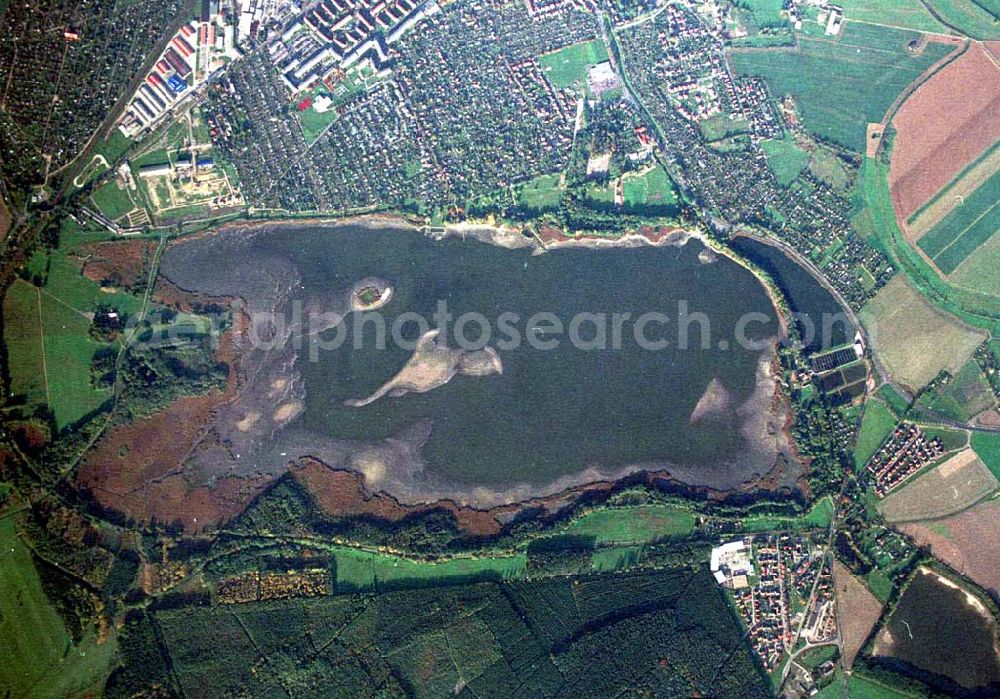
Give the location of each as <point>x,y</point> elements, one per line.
<point>971,178</point>
<point>962,218</point>
<point>877,424</point>
<point>910,14</point>
<point>35,638</point>
<point>568,66</point>
<point>359,570</point>
<point>969,240</point>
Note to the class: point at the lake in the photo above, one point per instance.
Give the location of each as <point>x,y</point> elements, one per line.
<point>555,417</point>
<point>806,297</point>
<point>939,628</point>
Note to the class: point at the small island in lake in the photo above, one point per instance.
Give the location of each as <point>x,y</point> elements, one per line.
<point>370,294</point>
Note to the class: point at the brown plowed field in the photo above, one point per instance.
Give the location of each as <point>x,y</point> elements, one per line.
<point>119,262</point>
<point>945,125</point>
<point>857,611</point>
<point>969,542</point>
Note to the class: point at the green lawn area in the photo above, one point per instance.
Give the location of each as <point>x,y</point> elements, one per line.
<point>897,402</point>
<point>22,335</point>
<point>817,657</point>
<point>863,688</point>
<point>650,192</point>
<point>569,65</point>
<point>114,147</point>
<point>785,159</point>
<point>841,85</point>
<point>987,446</point>
<point>602,197</point>
<point>952,440</point>
<point>910,14</point>
<point>313,122</point>
<point>365,570</point>
<point>112,201</point>
<point>880,585</point>
<point>617,558</point>
<point>634,525</point>
<point>818,517</point>
<point>541,193</point>
<point>876,426</point>
<point>34,638</point>
<point>718,127</point>
<point>766,13</point>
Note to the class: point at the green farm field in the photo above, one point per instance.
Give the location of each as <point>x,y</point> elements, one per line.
<point>876,426</point>
<point>862,688</point>
<point>568,66</point>
<point>35,639</point>
<point>785,159</point>
<point>914,340</point>
<point>632,525</point>
<point>978,19</point>
<point>909,14</point>
<point>968,227</point>
<point>987,447</point>
<point>367,571</point>
<point>23,339</point>
<point>840,85</point>
<point>965,396</point>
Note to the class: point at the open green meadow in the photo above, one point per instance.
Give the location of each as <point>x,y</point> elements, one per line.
<point>840,85</point>
<point>61,340</point>
<point>112,201</point>
<point>35,639</point>
<point>766,13</point>
<point>568,66</point>
<point>834,690</point>
<point>819,517</point>
<point>987,447</point>
<point>909,14</point>
<point>540,194</point>
<point>785,159</point>
<point>23,338</point>
<point>876,426</point>
<point>367,571</point>
<point>965,229</point>
<point>632,525</point>
<point>863,688</point>
<point>965,396</point>
<point>651,192</point>
<point>897,402</point>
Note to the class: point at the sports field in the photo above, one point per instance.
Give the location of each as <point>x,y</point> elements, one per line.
<point>910,14</point>
<point>841,84</point>
<point>966,228</point>
<point>785,159</point>
<point>541,193</point>
<point>569,65</point>
<point>650,192</point>
<point>913,339</point>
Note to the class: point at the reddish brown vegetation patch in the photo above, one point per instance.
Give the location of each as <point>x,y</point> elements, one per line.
<point>945,125</point>
<point>342,494</point>
<point>857,611</point>
<point>969,542</point>
<point>138,469</point>
<point>117,263</point>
